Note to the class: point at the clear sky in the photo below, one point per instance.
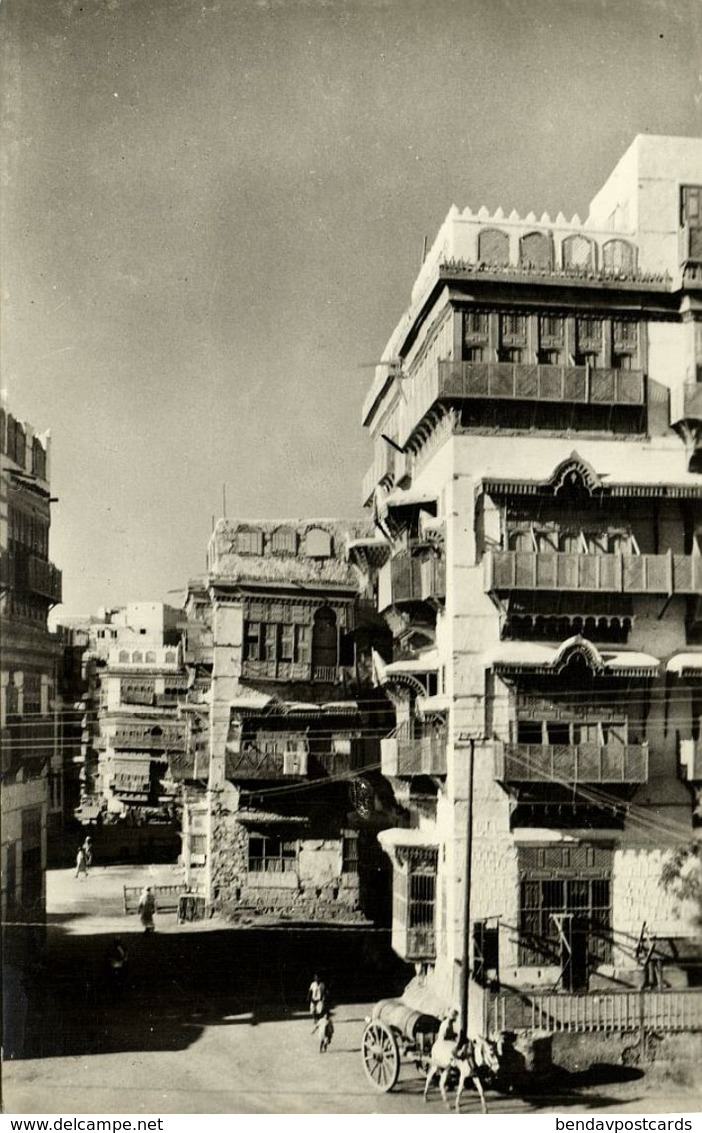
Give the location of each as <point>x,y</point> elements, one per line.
<point>214,211</point>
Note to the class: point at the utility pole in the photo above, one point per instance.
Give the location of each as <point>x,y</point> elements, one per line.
<point>468,869</point>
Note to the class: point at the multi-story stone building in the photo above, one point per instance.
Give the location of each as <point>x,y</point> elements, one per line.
<point>537,423</point>
<point>32,760</point>
<point>287,826</point>
<point>141,677</point>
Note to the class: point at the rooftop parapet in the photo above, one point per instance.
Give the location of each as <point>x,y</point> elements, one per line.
<point>485,238</point>
<point>280,552</point>
<point>24,446</point>
<point>631,236</point>
<point>144,657</point>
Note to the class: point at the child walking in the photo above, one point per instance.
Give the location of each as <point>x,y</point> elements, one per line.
<point>327,1028</point>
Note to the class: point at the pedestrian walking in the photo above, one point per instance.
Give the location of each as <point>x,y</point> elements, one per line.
<point>81,863</point>
<point>88,851</point>
<point>147,908</point>
<point>327,1032</point>
<point>316,997</point>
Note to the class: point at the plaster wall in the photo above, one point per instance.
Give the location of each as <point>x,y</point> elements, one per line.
<point>671,353</point>
<point>227,650</point>
<point>642,194</point>
<point>17,797</point>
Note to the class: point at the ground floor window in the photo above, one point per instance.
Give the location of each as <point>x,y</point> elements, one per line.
<point>349,852</point>
<point>422,896</point>
<point>271,855</point>
<point>545,903</point>
<point>414,902</point>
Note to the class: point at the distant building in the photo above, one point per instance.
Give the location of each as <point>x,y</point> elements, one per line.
<point>136,678</point>
<point>32,762</point>
<point>72,691</point>
<point>538,476</point>
<point>285,824</point>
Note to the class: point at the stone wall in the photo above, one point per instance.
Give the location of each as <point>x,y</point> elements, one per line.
<point>317,891</point>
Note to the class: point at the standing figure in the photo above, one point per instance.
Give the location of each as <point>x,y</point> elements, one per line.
<point>147,908</point>
<point>81,863</point>
<point>650,959</point>
<point>327,1032</point>
<point>88,850</point>
<point>316,997</point>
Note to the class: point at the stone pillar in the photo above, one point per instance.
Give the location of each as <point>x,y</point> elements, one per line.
<point>227,648</point>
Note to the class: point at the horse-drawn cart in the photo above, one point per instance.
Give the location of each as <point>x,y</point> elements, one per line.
<point>396,1034</point>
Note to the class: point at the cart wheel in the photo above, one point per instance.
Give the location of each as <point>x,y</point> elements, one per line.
<point>381,1057</point>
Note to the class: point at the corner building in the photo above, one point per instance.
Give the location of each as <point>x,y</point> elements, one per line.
<point>287,827</point>
<point>537,423</point>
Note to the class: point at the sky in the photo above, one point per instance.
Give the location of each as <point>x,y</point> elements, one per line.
<point>213,212</point>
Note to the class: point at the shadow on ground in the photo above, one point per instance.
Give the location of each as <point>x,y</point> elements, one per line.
<point>180,983</point>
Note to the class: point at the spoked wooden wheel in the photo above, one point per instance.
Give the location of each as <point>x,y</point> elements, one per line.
<point>381,1057</point>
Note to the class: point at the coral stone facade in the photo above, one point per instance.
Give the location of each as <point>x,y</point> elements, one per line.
<point>538,476</point>
<point>287,827</point>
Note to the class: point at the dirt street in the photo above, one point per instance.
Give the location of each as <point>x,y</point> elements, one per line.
<point>214,1020</point>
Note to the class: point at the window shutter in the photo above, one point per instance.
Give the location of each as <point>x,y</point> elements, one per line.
<point>304,644</point>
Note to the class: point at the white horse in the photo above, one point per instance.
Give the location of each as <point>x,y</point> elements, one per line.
<point>469,1061</point>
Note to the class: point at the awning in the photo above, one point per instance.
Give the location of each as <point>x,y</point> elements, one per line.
<point>368,545</point>
<point>426,663</point>
<point>249,817</point>
<point>519,654</point>
<point>538,658</point>
<point>397,836</point>
<point>368,554</point>
<point>341,708</point>
<point>629,662</point>
<point>250,700</point>
<point>685,663</point>
<point>428,704</point>
<point>410,497</point>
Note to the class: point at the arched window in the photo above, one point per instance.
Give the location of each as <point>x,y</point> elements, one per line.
<point>284,541</point>
<point>324,639</point>
<point>249,541</point>
<point>493,247</point>
<point>137,658</point>
<point>535,250</point>
<point>170,658</point>
<point>619,255</point>
<point>318,543</point>
<point>123,657</point>
<point>150,658</point>
<point>578,252</point>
